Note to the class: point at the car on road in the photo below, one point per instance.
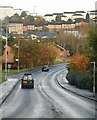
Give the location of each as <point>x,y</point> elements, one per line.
<point>45,68</point>
<point>27,81</point>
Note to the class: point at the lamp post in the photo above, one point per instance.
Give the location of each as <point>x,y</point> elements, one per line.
<point>93,78</point>
<point>6,59</point>
<point>17,46</point>
<point>18,56</point>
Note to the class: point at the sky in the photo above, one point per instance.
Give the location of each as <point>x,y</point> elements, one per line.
<point>43,7</point>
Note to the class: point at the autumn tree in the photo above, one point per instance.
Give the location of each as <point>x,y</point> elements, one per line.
<point>79,63</point>
<point>35,54</point>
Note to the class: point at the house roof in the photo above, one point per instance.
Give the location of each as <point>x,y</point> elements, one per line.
<point>22,35</point>
<point>48,15</point>
<point>6,7</point>
<point>69,12</point>
<point>57,13</point>
<point>78,20</point>
<point>47,34</point>
<point>77,14</point>
<point>60,22</point>
<point>93,11</point>
<point>80,12</point>
<point>63,16</point>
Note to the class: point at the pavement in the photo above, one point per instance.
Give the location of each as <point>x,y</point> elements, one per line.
<point>62,81</point>
<point>7,87</point>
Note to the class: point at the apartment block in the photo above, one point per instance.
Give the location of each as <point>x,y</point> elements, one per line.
<point>16,28</point>
<point>6,11</point>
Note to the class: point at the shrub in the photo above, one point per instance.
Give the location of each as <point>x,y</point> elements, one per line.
<point>81,80</point>
<point>71,76</point>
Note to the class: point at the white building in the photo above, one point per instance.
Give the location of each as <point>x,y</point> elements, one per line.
<point>76,15</point>
<point>69,15</point>
<point>49,17</point>
<point>6,11</point>
<point>16,28</point>
<point>83,13</point>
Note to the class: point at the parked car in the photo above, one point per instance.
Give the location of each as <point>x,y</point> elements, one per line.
<point>45,68</point>
<point>27,81</point>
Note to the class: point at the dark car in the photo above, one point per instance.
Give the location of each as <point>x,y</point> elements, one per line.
<point>45,68</point>
<point>27,81</point>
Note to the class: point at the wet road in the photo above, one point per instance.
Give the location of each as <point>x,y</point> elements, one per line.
<point>47,99</point>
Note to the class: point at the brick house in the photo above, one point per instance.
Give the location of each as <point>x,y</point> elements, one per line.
<point>10,56</point>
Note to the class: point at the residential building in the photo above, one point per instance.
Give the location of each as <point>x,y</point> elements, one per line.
<point>45,34</point>
<point>49,17</point>
<point>93,14</point>
<point>10,55</point>
<point>76,15</point>
<point>6,11</point>
<point>83,13</point>
<point>64,18</point>
<point>55,15</point>
<point>16,28</point>
<point>68,14</point>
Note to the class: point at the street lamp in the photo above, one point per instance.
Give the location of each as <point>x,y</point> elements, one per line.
<point>93,78</point>
<point>6,59</point>
<point>17,46</point>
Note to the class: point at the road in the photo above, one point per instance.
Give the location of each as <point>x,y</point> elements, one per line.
<point>47,99</point>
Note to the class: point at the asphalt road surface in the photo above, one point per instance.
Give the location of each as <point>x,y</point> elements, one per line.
<point>47,99</point>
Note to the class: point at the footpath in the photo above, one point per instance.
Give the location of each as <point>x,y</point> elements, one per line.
<point>7,86</point>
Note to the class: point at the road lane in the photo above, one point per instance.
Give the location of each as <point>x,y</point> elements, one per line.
<point>47,100</point>
<point>27,103</point>
<point>69,104</point>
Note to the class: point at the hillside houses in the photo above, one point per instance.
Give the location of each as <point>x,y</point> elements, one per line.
<point>19,28</point>
<point>53,22</point>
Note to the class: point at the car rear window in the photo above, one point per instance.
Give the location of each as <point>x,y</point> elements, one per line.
<point>27,77</point>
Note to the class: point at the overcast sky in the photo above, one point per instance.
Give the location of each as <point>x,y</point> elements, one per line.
<point>43,7</point>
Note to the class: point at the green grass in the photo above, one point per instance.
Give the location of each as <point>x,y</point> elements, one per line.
<point>14,71</point>
<point>2,79</point>
<point>58,62</point>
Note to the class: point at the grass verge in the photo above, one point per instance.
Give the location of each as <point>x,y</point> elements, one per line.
<point>2,79</point>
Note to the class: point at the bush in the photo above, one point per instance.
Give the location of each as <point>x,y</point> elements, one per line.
<point>71,76</point>
<point>81,80</point>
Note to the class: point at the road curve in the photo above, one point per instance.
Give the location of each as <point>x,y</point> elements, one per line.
<point>47,100</point>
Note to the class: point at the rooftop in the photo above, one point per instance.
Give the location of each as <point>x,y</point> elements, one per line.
<point>69,12</point>
<point>77,14</point>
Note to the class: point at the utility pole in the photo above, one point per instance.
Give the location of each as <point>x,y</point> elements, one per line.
<point>6,59</point>
<point>18,56</point>
<point>93,78</point>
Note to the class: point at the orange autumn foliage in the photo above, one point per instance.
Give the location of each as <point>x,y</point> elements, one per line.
<point>79,63</point>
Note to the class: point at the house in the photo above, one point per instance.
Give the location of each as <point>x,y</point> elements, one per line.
<point>77,15</point>
<point>68,14</point>
<point>6,11</point>
<point>49,17</point>
<point>28,27</point>
<point>83,13</point>
<point>10,55</point>
<point>16,27</point>
<point>45,34</point>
